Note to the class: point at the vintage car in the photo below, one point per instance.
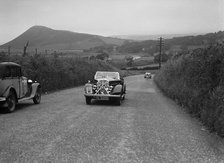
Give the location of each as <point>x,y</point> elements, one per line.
<point>148,75</point>
<point>107,86</point>
<point>15,88</point>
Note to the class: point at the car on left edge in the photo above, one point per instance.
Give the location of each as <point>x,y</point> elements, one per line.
<point>15,88</point>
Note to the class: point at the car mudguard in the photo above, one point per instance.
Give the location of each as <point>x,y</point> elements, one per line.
<point>7,90</point>
<point>117,89</point>
<point>124,89</point>
<point>34,89</point>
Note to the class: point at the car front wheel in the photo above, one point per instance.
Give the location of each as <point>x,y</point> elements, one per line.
<point>123,97</point>
<point>118,101</point>
<point>37,97</point>
<point>88,100</point>
<point>11,102</point>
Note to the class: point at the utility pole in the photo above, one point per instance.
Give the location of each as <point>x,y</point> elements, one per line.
<point>160,50</point>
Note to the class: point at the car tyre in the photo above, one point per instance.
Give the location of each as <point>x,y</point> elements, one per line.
<point>88,100</point>
<point>123,97</point>
<point>124,92</point>
<point>37,97</point>
<point>11,102</point>
<point>118,101</point>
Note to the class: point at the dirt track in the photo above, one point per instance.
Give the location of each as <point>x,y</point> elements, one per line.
<point>147,127</point>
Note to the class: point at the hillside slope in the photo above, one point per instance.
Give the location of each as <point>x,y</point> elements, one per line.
<point>187,42</point>
<point>46,38</point>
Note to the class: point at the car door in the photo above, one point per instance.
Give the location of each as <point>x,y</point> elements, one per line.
<point>15,79</point>
<point>22,83</point>
<point>23,86</point>
<point>5,79</point>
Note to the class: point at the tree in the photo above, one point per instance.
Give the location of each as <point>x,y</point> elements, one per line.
<point>92,57</point>
<point>25,48</point>
<point>102,56</point>
<point>130,61</point>
<point>164,58</point>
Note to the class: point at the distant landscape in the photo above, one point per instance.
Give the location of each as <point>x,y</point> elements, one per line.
<point>42,39</point>
<point>153,37</point>
<point>120,52</point>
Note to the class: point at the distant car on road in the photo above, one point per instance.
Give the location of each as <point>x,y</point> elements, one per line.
<point>107,86</point>
<point>148,75</point>
<point>15,88</point>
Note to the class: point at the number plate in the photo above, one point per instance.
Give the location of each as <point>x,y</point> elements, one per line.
<point>102,98</point>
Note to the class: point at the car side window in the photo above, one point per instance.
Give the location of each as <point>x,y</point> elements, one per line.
<point>18,72</point>
<point>7,72</point>
<point>15,71</point>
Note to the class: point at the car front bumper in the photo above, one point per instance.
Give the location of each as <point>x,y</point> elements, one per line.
<point>101,96</point>
<point>2,99</point>
<point>3,102</point>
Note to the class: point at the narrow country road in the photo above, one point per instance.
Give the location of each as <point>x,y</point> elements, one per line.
<point>147,127</point>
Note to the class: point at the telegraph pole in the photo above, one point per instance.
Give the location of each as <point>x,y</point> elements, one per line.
<point>160,50</point>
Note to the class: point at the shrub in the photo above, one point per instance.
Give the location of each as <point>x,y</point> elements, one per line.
<point>56,73</point>
<point>196,81</point>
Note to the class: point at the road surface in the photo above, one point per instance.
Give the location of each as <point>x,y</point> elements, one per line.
<point>147,127</point>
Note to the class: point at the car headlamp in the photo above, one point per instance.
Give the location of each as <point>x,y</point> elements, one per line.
<point>88,88</point>
<point>30,81</point>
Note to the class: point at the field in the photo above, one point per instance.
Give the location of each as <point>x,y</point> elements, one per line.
<point>140,59</point>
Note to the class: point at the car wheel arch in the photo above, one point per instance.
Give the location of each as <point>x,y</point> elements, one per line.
<point>34,88</point>
<point>37,96</point>
<point>118,89</point>
<point>14,91</point>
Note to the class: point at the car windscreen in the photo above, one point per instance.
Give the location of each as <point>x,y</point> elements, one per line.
<point>112,75</point>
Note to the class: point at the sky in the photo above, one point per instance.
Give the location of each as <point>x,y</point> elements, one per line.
<point>112,17</point>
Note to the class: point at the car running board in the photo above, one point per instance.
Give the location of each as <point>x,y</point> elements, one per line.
<point>26,98</point>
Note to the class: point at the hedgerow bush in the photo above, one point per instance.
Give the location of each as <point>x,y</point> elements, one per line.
<point>55,73</point>
<point>196,81</point>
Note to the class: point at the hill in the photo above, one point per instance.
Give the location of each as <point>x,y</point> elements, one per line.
<point>43,38</point>
<point>151,37</point>
<point>174,44</point>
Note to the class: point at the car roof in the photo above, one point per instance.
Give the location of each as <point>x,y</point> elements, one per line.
<point>9,64</point>
<point>107,71</point>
